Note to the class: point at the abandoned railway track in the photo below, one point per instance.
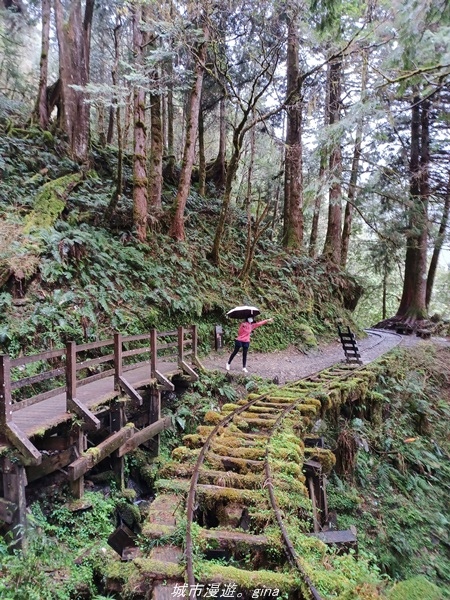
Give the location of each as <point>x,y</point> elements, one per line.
<point>258,456</point>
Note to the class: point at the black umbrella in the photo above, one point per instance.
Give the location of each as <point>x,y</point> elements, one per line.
<point>243,312</point>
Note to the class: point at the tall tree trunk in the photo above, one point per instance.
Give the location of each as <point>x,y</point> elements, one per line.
<point>110,131</point>
<point>201,154</point>
<point>413,301</point>
<point>351,195</point>
<point>156,148</point>
<point>348,215</point>
<point>101,126</point>
<point>114,76</point>
<point>217,172</point>
<point>177,226</point>
<point>324,159</point>
<point>312,250</point>
<point>293,181</point>
<point>140,181</point>
<point>169,170</point>
<point>438,246</point>
<point>128,118</point>
<point>248,195</point>
<point>277,196</point>
<point>74,39</point>
<point>332,247</point>
<point>41,113</point>
<point>231,172</point>
<point>254,232</point>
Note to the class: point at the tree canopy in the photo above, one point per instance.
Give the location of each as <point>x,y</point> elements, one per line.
<point>325,120</point>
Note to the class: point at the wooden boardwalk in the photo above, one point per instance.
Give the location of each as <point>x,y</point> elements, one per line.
<point>47,414</point>
<point>67,410</point>
<point>83,392</point>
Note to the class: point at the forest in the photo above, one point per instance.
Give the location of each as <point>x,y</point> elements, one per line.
<point>324,122</point>
<point>162,161</point>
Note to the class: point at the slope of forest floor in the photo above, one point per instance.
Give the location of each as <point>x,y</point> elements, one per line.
<point>66,272</point>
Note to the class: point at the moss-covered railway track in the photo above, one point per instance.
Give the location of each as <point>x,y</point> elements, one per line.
<point>251,481</point>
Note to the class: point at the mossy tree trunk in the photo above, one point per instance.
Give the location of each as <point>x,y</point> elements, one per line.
<point>140,181</point>
<point>201,154</point>
<point>293,176</point>
<point>249,194</point>
<point>312,248</point>
<point>217,172</point>
<point>333,238</point>
<point>438,245</point>
<point>156,147</point>
<point>41,113</point>
<point>177,226</point>
<point>169,170</point>
<point>119,177</point>
<point>74,37</point>
<point>413,301</point>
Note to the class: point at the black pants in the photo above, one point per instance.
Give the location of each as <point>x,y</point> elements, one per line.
<point>237,346</point>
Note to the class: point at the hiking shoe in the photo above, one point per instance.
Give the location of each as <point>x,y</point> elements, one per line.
<point>227,366</point>
<point>245,370</point>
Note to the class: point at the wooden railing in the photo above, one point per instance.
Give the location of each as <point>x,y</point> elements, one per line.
<point>74,367</point>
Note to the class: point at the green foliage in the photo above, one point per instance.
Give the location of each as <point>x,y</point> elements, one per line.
<point>416,588</point>
<point>188,410</point>
<point>398,498</point>
<point>81,278</point>
<point>57,534</point>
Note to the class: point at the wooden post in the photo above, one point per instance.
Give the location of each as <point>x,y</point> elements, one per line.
<point>5,391</point>
<point>71,372</point>
<point>153,352</point>
<point>117,422</point>
<point>77,486</point>
<point>154,414</point>
<point>194,344</point>
<point>14,483</point>
<point>72,402</point>
<point>195,359</point>
<point>117,359</point>
<point>180,345</point>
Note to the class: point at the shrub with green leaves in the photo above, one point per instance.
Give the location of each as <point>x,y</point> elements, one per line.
<point>398,494</point>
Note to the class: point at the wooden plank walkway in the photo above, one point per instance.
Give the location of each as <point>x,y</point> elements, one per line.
<point>86,389</point>
<point>37,418</point>
<point>73,427</point>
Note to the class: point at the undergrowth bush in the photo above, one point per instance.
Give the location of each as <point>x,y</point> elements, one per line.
<point>398,494</point>
<point>65,551</point>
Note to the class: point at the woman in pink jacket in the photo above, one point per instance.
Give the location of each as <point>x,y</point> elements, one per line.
<point>243,340</point>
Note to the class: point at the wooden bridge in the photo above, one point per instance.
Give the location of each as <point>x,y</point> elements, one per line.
<point>111,389</point>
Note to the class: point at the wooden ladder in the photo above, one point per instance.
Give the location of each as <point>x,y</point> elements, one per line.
<point>349,346</point>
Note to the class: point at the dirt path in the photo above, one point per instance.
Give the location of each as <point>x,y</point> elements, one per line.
<point>291,364</point>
